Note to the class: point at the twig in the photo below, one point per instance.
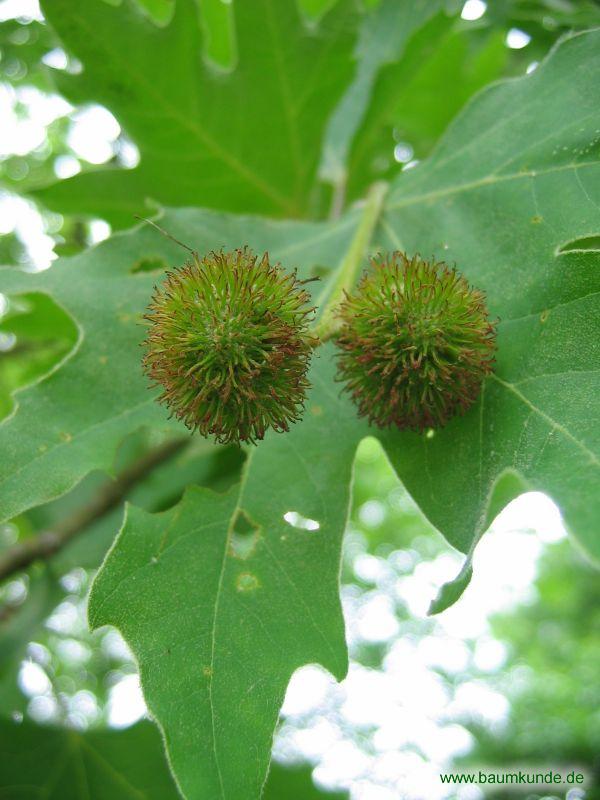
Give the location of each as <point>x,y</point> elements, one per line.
<point>47,543</point>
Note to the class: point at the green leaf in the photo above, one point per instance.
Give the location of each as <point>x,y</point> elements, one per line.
<point>231,598</point>
<point>246,141</point>
<point>415,98</point>
<point>544,13</point>
<point>516,179</point>
<point>60,764</point>
<point>72,421</point>
<point>295,783</point>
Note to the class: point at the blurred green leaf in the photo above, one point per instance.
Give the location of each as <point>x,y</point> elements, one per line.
<point>246,141</point>
<point>67,765</point>
<point>38,335</point>
<point>22,46</point>
<point>383,36</point>
<point>550,14</point>
<point>415,99</point>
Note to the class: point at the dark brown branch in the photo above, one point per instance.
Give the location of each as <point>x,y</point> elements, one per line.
<point>47,543</point>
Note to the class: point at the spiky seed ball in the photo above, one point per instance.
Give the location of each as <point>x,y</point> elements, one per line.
<point>416,343</point>
<point>229,345</point>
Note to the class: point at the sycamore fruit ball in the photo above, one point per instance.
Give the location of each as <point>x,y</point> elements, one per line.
<point>229,345</point>
<point>415,343</point>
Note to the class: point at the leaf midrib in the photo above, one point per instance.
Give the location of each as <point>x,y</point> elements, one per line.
<point>213,636</point>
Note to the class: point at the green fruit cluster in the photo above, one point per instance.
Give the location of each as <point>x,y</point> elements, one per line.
<point>230,343</point>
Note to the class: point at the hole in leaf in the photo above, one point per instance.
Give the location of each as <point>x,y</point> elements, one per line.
<point>244,536</point>
<point>296,520</point>
<point>7,342</point>
<point>583,245</point>
<point>38,334</point>
<point>149,264</point>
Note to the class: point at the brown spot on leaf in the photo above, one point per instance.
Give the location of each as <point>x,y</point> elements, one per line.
<point>247,582</point>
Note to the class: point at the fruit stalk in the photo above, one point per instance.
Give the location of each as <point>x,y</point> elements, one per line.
<point>328,324</point>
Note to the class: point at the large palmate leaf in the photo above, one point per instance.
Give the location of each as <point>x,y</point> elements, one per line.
<point>246,141</point>
<point>71,422</point>
<point>507,195</point>
<point>231,598</point>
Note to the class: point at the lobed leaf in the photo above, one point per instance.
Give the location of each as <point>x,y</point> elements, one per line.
<point>514,181</point>
<point>222,597</point>
<point>246,141</point>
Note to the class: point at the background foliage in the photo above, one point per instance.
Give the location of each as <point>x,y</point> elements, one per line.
<point>224,577</point>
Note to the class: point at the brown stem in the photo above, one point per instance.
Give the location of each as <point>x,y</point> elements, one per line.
<point>47,543</point>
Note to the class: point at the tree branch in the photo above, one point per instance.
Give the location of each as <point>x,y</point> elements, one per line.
<point>47,543</point>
